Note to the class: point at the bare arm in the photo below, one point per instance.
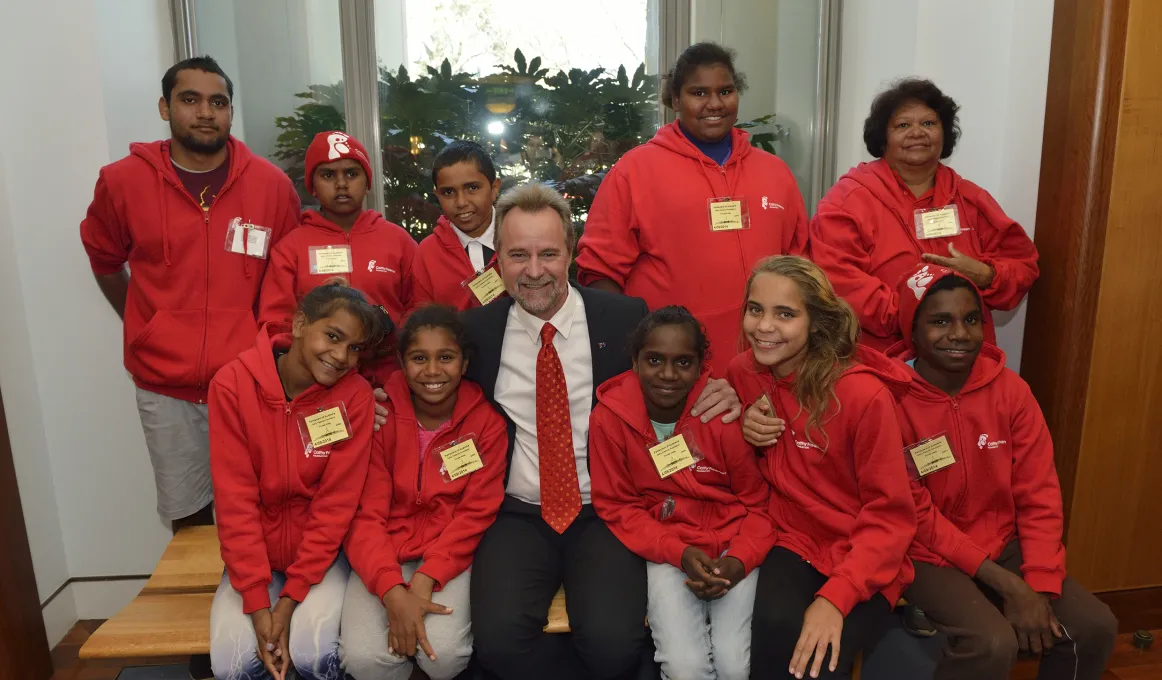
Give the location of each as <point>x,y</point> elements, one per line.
<point>115,287</point>
<point>605,285</point>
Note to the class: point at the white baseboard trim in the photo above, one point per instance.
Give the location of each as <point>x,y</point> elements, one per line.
<point>87,598</point>
<point>60,613</point>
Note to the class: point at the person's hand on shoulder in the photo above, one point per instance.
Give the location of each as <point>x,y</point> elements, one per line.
<point>717,398</point>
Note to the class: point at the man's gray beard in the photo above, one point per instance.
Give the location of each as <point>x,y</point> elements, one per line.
<point>552,300</point>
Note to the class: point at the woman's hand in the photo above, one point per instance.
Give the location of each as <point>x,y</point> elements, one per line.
<point>380,409</point>
<point>822,627</point>
<point>760,427</point>
<point>405,621</point>
<point>701,580</point>
<point>280,622</point>
<point>266,641</point>
<point>978,272</point>
<point>422,585</point>
<point>717,398</point>
<point>731,569</point>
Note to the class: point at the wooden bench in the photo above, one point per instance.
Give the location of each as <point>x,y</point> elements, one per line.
<point>171,615</point>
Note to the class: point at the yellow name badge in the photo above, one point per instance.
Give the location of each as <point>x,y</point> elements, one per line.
<point>671,456</point>
<point>931,455</point>
<point>461,459</point>
<point>937,223</point>
<point>330,259</point>
<point>727,214</point>
<point>327,427</point>
<point>486,286</point>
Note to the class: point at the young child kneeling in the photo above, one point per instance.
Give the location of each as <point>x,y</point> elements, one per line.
<point>290,437</point>
<point>435,484</point>
<point>685,495</point>
<point>990,566</point>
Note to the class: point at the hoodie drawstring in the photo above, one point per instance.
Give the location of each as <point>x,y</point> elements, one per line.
<point>164,209</point>
<point>248,264</point>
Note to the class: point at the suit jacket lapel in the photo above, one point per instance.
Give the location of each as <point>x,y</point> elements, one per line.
<point>598,346</point>
<point>489,337</point>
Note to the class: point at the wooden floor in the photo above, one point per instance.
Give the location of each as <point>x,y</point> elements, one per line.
<point>1127,663</point>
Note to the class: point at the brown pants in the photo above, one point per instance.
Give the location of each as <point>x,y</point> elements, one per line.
<point>981,643</point>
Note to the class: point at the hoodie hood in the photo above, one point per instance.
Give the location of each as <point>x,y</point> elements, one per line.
<point>259,362</point>
<point>468,396</point>
<point>367,222</point>
<point>623,395</point>
<point>670,137</point>
<point>157,155</point>
<point>913,287</point>
<point>895,376</point>
<point>887,187</point>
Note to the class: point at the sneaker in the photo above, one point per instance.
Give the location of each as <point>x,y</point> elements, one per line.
<point>916,623</point>
<point>200,667</point>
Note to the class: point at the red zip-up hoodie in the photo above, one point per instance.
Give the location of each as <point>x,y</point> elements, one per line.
<point>280,506</point>
<point>864,238</point>
<point>408,511</point>
<point>719,505</point>
<point>441,267</point>
<point>190,306</point>
<point>381,268</point>
<point>649,230</point>
<point>1004,483</point>
<point>846,510</point>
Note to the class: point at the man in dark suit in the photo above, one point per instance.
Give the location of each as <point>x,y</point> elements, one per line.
<point>541,355</point>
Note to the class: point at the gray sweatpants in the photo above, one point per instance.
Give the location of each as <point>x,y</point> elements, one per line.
<point>363,637</point>
<point>177,434</point>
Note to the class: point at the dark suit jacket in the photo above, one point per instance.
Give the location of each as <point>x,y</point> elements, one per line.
<point>611,319</point>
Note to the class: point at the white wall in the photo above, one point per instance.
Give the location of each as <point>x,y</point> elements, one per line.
<point>84,475</point>
<point>992,56</point>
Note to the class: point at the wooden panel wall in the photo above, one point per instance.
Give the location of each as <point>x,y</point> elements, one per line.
<point>1115,535</point>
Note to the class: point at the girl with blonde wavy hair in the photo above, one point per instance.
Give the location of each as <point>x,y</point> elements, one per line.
<point>840,496</point>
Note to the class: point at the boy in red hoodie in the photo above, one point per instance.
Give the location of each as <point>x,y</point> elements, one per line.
<point>194,217</point>
<point>456,264</point>
<point>840,496</point>
<point>987,498</point>
<point>435,484</point>
<point>341,239</point>
<point>684,217</point>
<point>697,511</point>
<point>290,437</point>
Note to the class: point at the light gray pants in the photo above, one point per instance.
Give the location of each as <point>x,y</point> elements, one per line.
<point>695,639</point>
<point>177,434</point>
<point>363,646</point>
<point>314,630</point>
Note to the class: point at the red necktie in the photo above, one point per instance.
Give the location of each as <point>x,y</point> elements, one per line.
<point>560,494</point>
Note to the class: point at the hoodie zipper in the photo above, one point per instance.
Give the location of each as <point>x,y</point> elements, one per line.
<point>963,459</point>
<point>286,484</point>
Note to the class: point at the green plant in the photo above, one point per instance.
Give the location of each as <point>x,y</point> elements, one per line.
<point>565,129</point>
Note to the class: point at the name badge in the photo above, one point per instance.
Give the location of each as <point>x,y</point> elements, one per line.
<point>671,456</point>
<point>247,239</point>
<point>460,458</point>
<point>329,425</point>
<point>330,259</point>
<point>931,455</point>
<point>486,286</point>
<point>939,223</point>
<point>728,213</point>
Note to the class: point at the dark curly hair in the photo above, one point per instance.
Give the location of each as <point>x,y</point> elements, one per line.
<point>436,316</point>
<point>698,54</point>
<point>673,315</point>
<point>884,106</point>
<point>334,294</point>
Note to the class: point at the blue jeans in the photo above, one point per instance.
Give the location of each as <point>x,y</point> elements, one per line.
<point>314,630</point>
<point>698,640</point>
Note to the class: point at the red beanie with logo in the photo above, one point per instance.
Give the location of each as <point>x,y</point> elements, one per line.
<point>331,146</point>
<point>913,288</point>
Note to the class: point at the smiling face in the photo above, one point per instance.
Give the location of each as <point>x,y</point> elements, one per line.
<point>667,368</point>
<point>329,347</point>
<point>776,324</point>
<point>466,197</point>
<point>199,111</point>
<point>340,187</point>
<point>534,261</point>
<point>948,331</point>
<point>707,104</point>
<point>434,364</point>
<point>915,136</point>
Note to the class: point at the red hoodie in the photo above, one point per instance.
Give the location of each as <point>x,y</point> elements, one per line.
<point>279,506</point>
<point>649,233</point>
<point>719,505</point>
<point>190,307</point>
<point>864,238</point>
<point>1004,484</point>
<point>408,512</point>
<point>381,267</point>
<point>441,268</point>
<point>846,510</point>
